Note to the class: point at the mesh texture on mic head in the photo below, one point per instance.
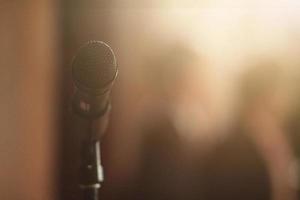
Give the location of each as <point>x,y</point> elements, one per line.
<point>94,67</point>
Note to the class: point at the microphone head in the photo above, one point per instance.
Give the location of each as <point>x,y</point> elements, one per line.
<point>94,68</point>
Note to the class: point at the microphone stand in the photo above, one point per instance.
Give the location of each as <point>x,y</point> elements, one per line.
<point>91,171</point>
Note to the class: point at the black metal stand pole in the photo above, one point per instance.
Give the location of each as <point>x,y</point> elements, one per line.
<point>91,172</point>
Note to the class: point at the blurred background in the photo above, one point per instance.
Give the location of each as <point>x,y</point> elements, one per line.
<point>206,105</point>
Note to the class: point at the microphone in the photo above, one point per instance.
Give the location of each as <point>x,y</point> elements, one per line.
<point>94,70</point>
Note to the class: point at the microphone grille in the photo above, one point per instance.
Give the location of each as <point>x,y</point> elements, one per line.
<point>94,67</point>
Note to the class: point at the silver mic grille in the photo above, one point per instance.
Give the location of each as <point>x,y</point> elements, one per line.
<point>94,67</point>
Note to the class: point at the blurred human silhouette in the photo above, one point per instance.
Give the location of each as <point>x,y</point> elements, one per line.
<point>163,170</point>
<point>235,166</point>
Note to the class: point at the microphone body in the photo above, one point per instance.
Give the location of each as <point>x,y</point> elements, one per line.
<point>94,71</point>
